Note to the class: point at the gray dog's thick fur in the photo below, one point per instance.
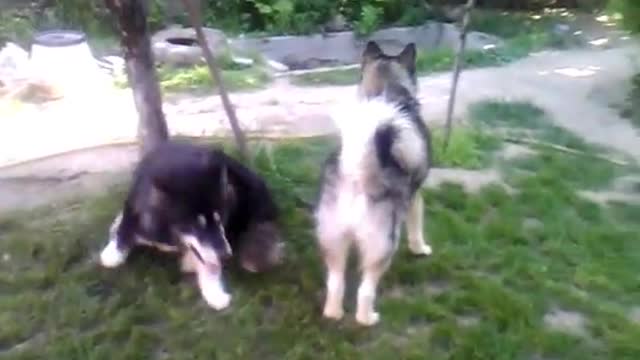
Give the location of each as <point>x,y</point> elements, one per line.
<point>370,185</point>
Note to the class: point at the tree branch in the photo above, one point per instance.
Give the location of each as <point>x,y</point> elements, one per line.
<point>456,70</point>
<point>215,72</point>
<point>141,71</point>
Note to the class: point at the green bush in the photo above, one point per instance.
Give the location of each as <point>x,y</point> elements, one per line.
<point>305,16</point>
<point>90,16</point>
<point>18,23</point>
<point>293,16</point>
<point>369,21</point>
<point>16,26</point>
<point>298,16</point>
<point>273,16</point>
<point>630,11</point>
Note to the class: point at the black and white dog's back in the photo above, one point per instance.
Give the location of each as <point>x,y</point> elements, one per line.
<point>202,204</point>
<point>370,186</point>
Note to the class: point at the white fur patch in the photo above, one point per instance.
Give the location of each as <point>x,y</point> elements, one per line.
<point>113,230</point>
<point>208,254</point>
<point>365,313</point>
<point>188,262</point>
<point>409,147</point>
<point>335,294</point>
<point>218,221</point>
<point>212,289</point>
<point>357,122</point>
<point>111,256</point>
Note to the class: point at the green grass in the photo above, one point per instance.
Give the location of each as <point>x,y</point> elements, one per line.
<point>502,261</point>
<point>196,79</point>
<point>468,148</point>
<point>523,119</point>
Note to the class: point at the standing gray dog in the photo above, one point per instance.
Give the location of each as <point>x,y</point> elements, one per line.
<point>370,185</point>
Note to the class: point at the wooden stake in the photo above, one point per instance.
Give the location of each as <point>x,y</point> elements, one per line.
<point>216,74</point>
<point>141,71</point>
<point>456,70</point>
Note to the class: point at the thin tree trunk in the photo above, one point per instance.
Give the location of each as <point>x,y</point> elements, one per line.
<point>141,72</point>
<point>196,22</point>
<point>456,70</point>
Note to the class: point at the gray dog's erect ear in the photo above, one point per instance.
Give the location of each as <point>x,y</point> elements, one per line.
<point>371,52</point>
<point>407,57</point>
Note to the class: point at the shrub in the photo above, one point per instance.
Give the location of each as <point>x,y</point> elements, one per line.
<point>16,26</point>
<point>297,16</point>
<point>630,11</point>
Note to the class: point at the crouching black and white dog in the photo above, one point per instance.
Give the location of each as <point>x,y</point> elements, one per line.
<point>202,204</point>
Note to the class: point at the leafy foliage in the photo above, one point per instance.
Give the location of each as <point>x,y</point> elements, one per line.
<point>293,16</point>
<point>630,11</point>
<point>16,25</point>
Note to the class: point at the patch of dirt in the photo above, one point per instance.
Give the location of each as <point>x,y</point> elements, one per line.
<point>64,177</point>
<point>624,189</point>
<point>628,184</point>
<point>397,292</point>
<point>33,193</point>
<point>435,288</point>
<point>402,336</point>
<point>531,224</point>
<point>569,322</point>
<point>421,329</point>
<point>431,289</point>
<point>468,320</point>
<point>34,341</point>
<point>604,197</point>
<point>634,315</point>
<point>515,151</point>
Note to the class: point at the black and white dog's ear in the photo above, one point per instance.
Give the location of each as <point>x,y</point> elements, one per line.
<point>224,193</point>
<point>223,182</point>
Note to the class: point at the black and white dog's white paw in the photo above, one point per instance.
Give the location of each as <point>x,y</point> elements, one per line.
<point>212,288</point>
<point>420,248</point>
<point>112,256</point>
<point>218,300</point>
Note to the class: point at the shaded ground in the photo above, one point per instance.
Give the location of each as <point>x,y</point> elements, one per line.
<point>581,89</point>
<point>577,86</point>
